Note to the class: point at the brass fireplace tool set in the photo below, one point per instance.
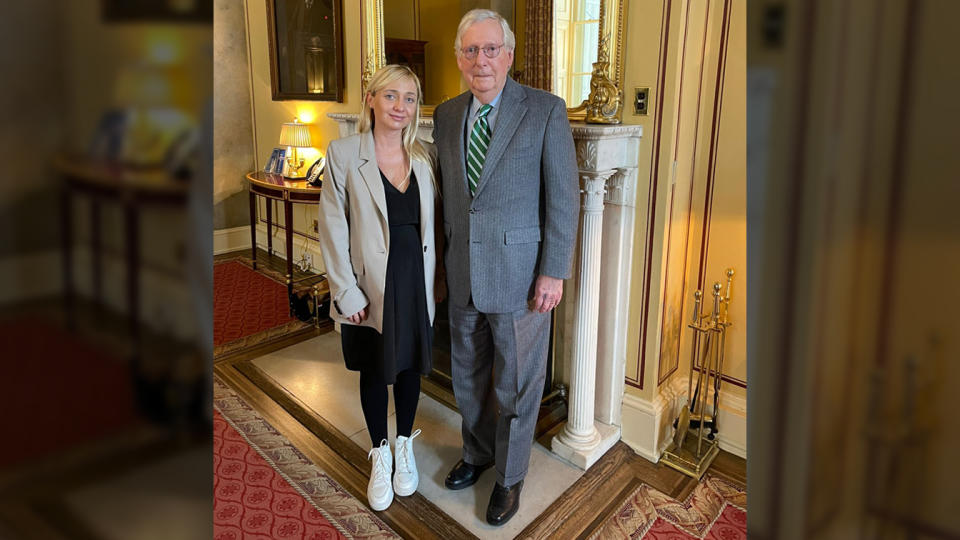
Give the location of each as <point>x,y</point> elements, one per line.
<point>695,442</point>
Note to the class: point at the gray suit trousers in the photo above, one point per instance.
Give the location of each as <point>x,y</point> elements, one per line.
<point>498,367</point>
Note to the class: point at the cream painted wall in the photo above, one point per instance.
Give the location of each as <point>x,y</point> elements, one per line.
<point>441,18</point>
<point>643,67</point>
<point>727,235</point>
<point>32,126</point>
<point>97,52</point>
<point>677,204</point>
<point>400,19</point>
<point>233,118</point>
<point>268,114</point>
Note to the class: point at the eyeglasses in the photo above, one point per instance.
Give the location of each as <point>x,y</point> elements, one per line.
<point>490,51</point>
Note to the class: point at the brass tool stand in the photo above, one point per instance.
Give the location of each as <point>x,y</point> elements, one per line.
<point>692,450</point>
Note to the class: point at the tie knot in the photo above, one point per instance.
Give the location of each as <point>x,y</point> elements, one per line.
<point>485,110</point>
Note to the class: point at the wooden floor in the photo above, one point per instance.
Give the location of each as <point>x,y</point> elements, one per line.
<point>274,262</point>
<point>578,511</point>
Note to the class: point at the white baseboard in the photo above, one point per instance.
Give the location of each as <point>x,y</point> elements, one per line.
<point>167,305</point>
<point>643,425</point>
<point>733,424</point>
<point>31,275</point>
<point>648,425</point>
<point>227,240</point>
<point>238,238</point>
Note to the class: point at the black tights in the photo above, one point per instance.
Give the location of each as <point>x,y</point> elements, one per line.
<point>373,399</point>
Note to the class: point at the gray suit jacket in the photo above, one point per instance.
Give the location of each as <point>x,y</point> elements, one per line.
<point>523,220</point>
<point>355,233</point>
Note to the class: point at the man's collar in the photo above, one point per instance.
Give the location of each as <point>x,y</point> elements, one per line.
<point>475,103</point>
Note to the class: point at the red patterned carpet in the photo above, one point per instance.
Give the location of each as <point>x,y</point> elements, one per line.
<point>80,388</point>
<point>248,307</point>
<point>252,500</point>
<point>264,487</point>
<point>716,510</point>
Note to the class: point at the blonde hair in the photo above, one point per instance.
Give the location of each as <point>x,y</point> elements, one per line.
<point>383,77</point>
<point>478,15</point>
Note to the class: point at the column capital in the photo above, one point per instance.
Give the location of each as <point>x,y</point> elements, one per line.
<point>593,187</point>
<point>622,187</point>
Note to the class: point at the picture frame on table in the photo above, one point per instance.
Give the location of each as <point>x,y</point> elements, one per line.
<point>281,160</point>
<point>272,162</point>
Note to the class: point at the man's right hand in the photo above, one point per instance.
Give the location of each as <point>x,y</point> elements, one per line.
<point>358,317</point>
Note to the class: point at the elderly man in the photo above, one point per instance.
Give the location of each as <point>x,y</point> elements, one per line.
<point>510,194</point>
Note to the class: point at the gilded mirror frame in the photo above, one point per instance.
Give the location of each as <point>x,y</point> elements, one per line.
<point>605,103</point>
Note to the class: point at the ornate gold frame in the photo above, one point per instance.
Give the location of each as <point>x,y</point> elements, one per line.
<point>606,96</point>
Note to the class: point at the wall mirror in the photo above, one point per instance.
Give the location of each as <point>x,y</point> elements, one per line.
<point>306,49</point>
<point>412,31</point>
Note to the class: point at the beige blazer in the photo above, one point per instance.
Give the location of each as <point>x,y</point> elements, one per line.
<point>354,231</point>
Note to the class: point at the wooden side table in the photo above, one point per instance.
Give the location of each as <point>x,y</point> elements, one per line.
<point>274,187</point>
<point>132,189</point>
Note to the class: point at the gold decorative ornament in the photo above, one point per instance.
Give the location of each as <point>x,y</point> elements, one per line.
<point>371,11</point>
<point>604,104</point>
<point>369,68</point>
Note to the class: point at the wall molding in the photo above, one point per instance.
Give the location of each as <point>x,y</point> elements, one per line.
<point>232,239</point>
<point>647,425</point>
<point>238,238</point>
<point>643,423</point>
<point>31,275</point>
<point>166,304</point>
<point>733,424</point>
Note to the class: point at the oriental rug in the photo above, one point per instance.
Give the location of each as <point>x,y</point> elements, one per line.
<point>265,488</point>
<point>715,510</point>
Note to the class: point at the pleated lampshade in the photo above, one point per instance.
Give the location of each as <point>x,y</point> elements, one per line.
<point>295,134</point>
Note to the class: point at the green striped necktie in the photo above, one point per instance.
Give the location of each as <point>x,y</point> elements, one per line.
<point>477,148</point>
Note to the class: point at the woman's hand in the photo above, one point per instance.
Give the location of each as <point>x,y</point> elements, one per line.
<point>358,317</point>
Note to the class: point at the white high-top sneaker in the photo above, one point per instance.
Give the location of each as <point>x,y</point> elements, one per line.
<point>379,490</point>
<point>406,479</point>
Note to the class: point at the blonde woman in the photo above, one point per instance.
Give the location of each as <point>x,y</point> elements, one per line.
<point>378,212</point>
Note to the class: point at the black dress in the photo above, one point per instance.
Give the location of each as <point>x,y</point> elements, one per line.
<point>407,338</point>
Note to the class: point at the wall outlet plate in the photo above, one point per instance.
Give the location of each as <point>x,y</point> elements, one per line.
<point>641,97</point>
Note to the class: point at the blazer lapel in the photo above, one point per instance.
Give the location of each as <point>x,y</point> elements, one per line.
<point>371,173</point>
<point>424,186</point>
<point>511,113</point>
<point>461,106</point>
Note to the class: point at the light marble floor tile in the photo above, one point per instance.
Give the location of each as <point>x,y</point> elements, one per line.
<point>313,370</point>
<point>176,489</point>
<point>439,447</point>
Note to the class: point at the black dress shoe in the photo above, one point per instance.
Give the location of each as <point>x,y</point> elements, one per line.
<point>464,474</point>
<point>504,503</point>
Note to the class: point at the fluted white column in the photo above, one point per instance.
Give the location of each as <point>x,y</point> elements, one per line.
<point>579,433</point>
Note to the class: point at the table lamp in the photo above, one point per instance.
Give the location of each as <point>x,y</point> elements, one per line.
<point>295,135</point>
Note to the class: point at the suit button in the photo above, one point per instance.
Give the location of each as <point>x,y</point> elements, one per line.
<point>472,211</point>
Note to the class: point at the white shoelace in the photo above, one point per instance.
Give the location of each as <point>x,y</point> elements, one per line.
<point>380,466</point>
<point>403,460</point>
